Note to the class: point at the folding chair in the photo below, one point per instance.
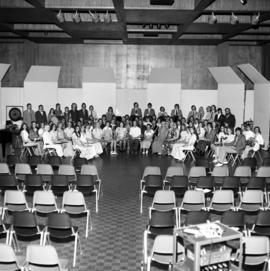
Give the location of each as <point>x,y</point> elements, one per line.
<point>25,226</point>
<point>22,170</point>
<point>87,185</point>
<point>195,173</point>
<point>59,184</point>
<point>205,184</point>
<point>189,153</point>
<point>44,257</point>
<point>244,173</point>
<point>59,227</point>
<point>73,203</point>
<point>8,182</point>
<point>78,162</point>
<point>150,183</point>
<point>55,161</point>
<point>173,171</point>
<point>44,202</point>
<point>14,201</point>
<point>162,251</point>
<point>222,201</point>
<point>219,174</point>
<point>252,201</point>
<point>8,259</point>
<point>232,183</point>
<point>4,169</point>
<point>255,252</point>
<point>262,224</point>
<point>34,160</point>
<point>234,157</point>
<point>69,171</point>
<point>33,183</point>
<point>196,217</point>
<point>4,231</point>
<point>91,170</point>
<point>234,220</point>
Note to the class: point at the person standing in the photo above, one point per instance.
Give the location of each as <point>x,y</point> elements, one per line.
<point>29,115</point>
<point>83,113</point>
<point>149,111</point>
<point>41,116</point>
<point>229,119</point>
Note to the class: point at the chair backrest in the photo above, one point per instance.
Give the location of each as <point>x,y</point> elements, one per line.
<point>74,198</point>
<point>151,170</point>
<point>256,250</point>
<point>153,181</point>
<point>174,171</point>
<point>23,168</point>
<point>7,254</point>
<point>220,171</point>
<point>54,160</point>
<point>89,170</point>
<point>252,197</point>
<point>263,219</point>
<point>196,217</point>
<point>44,198</point>
<point>263,171</point>
<point>256,183</point>
<point>14,197</point>
<point>42,255</point>
<point>60,180</point>
<point>85,180</point>
<point>68,170</point>
<point>24,219</point>
<point>205,182</point>
<point>242,171</point>
<point>4,169</point>
<point>33,180</point>
<point>164,197</point>
<point>231,182</point>
<point>223,196</point>
<point>59,221</point>
<point>194,197</point>
<point>197,171</point>
<point>233,219</point>
<point>7,180</point>
<point>44,169</point>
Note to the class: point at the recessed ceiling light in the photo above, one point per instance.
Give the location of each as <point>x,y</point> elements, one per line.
<point>243,2</point>
<point>76,17</point>
<point>60,17</point>
<point>234,19</point>
<point>212,19</point>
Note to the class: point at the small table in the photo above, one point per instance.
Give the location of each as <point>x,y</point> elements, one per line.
<point>198,242</point>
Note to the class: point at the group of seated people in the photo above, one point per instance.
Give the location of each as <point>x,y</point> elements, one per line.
<point>172,134</point>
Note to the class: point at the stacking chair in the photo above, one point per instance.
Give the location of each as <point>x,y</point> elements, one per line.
<point>44,202</point>
<point>195,173</point>
<point>256,183</point>
<point>196,217</point>
<point>55,161</point>
<point>13,159</point>
<point>8,182</point>
<point>78,162</point>
<point>179,184</point>
<point>4,231</point>
<point>234,157</point>
<point>264,172</point>
<point>44,258</point>
<point>262,224</point>
<point>44,169</point>
<point>173,171</point>
<point>255,252</point>
<point>150,183</point>
<point>25,226</point>
<point>266,162</point>
<point>34,160</point>
<point>162,251</point>
<point>14,201</point>
<point>222,201</point>
<point>4,169</point>
<point>205,183</point>
<point>250,162</point>
<point>232,183</point>
<point>244,173</point>
<point>22,170</point>
<point>8,259</point>
<point>59,184</point>
<point>252,201</point>
<point>193,201</point>
<point>69,171</point>
<point>59,227</point>
<point>73,203</point>
<point>234,220</point>
<point>87,185</point>
<point>33,183</point>
<point>92,171</point>
<point>219,174</point>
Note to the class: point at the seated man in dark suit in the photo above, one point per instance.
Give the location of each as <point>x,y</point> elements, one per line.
<point>176,113</point>
<point>83,113</point>
<point>41,116</point>
<point>136,111</point>
<point>149,111</point>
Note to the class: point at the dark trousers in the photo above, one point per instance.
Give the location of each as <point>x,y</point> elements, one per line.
<point>134,145</point>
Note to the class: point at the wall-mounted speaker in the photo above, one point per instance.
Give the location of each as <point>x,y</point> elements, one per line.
<point>14,112</point>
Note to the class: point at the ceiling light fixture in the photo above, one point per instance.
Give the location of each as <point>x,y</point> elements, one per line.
<point>256,19</point>
<point>76,17</point>
<point>167,26</point>
<point>151,26</point>
<point>60,17</point>
<point>212,18</point>
<point>107,17</point>
<point>243,2</point>
<point>234,19</point>
<point>94,17</point>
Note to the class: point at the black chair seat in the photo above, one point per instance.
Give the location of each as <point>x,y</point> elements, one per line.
<point>61,233</point>
<point>262,230</point>
<point>196,217</point>
<point>26,232</point>
<point>154,231</point>
<point>162,219</point>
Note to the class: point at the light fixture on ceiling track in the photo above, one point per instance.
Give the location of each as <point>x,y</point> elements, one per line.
<point>76,17</point>
<point>256,19</point>
<point>107,17</point>
<point>212,18</point>
<point>243,2</point>
<point>60,17</point>
<point>94,17</point>
<point>234,19</point>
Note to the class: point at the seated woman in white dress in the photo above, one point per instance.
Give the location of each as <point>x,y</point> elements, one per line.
<point>97,138</point>
<point>90,140</point>
<point>255,143</point>
<point>147,139</point>
<point>27,142</point>
<point>69,130</point>
<point>48,142</point>
<point>121,135</point>
<point>179,148</point>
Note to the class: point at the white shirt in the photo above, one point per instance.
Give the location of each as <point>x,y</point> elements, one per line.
<point>184,135</point>
<point>121,132</point>
<point>192,139</point>
<point>97,133</point>
<point>47,138</point>
<point>135,132</point>
<point>229,139</point>
<point>68,132</point>
<point>25,136</point>
<point>248,134</point>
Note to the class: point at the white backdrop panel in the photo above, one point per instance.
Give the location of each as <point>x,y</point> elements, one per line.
<point>249,108</point>
<point>166,95</point>
<point>197,97</point>
<point>101,95</point>
<point>67,96</point>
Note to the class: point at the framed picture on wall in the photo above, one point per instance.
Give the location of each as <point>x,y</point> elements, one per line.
<point>14,112</point>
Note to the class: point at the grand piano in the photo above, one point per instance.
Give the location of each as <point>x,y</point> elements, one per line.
<point>5,138</point>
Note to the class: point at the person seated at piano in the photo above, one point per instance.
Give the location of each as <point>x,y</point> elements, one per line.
<point>27,142</point>
<point>40,115</point>
<point>149,112</point>
<point>48,142</point>
<point>136,111</point>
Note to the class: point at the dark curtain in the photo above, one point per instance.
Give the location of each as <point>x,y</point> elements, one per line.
<point>266,61</point>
